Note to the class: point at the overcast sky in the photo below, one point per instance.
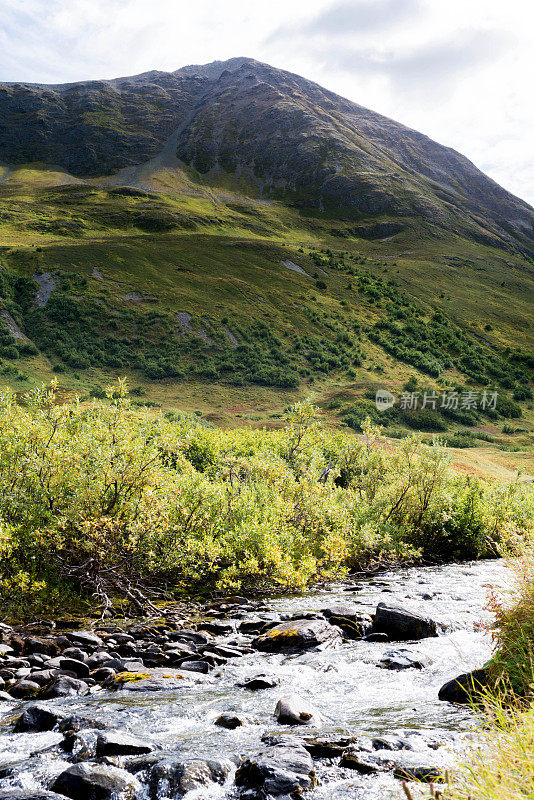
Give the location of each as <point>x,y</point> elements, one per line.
<point>461,71</point>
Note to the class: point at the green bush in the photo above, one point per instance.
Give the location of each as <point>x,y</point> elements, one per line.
<point>96,496</point>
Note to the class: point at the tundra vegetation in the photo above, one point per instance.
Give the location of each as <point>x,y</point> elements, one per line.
<point>105,502</point>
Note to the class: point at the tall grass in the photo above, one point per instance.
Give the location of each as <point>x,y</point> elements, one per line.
<point>500,766</point>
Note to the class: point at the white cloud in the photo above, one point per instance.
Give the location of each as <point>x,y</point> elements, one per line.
<point>458,70</point>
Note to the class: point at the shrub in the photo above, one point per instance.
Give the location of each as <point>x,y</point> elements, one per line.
<point>103,496</point>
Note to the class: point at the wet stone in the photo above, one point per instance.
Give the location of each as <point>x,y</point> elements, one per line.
<point>65,686</point>
<point>365,763</point>
<point>24,689</point>
<point>258,682</point>
<point>299,634</point>
<point>229,721</point>
<point>36,718</point>
<point>176,777</point>
<point>196,666</point>
<point>96,782</point>
<point>401,625</point>
<point>376,637</point>
<point>283,769</point>
<point>403,659</point>
<point>463,688</point>
<point>333,746</point>
<point>115,743</point>
<point>293,710</point>
<point>390,743</point>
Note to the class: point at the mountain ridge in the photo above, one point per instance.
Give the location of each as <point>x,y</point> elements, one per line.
<point>288,137</point>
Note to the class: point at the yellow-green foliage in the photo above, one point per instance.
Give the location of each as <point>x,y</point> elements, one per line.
<point>94,497</point>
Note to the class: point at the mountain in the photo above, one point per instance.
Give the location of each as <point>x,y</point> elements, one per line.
<point>232,237</point>
<point>277,134</point>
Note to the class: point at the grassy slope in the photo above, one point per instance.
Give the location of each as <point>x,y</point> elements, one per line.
<point>224,261</point>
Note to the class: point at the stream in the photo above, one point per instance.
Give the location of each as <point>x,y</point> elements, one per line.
<point>353,694</point>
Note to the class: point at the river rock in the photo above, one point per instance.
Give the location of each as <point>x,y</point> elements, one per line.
<point>400,624</point>
<point>363,762</point>
<point>376,637</point>
<point>96,782</point>
<point>116,743</point>
<point>229,721</point>
<point>84,639</point>
<point>261,681</point>
<point>256,625</point>
<point>403,659</point>
<point>390,743</point>
<point>104,675</point>
<point>77,722</point>
<point>76,653</point>
<point>79,668</point>
<point>176,778</point>
<point>293,710</point>
<point>47,647</point>
<point>97,659</point>
<point>299,634</point>
<point>229,652</point>
<point>44,676</point>
<point>352,620</point>
<point>334,746</point>
<point>36,718</point>
<point>24,689</point>
<point>159,680</point>
<point>196,666</point>
<point>352,628</point>
<point>187,635</point>
<point>124,665</point>
<point>217,628</point>
<point>464,687</point>
<point>283,769</point>
<point>64,686</point>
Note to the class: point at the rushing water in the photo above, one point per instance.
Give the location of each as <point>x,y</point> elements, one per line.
<point>352,693</point>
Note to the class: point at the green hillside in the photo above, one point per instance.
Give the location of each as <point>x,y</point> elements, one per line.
<point>199,302</point>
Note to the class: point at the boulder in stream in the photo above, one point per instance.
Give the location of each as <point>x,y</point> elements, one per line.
<point>229,721</point>
<point>176,778</point>
<point>403,659</point>
<point>293,710</point>
<point>24,689</point>
<point>283,769</point>
<point>364,762</point>
<point>65,686</point>
<point>298,634</point>
<point>96,782</point>
<point>257,682</point>
<point>466,686</point>
<point>36,718</point>
<point>116,743</point>
<point>401,625</point>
